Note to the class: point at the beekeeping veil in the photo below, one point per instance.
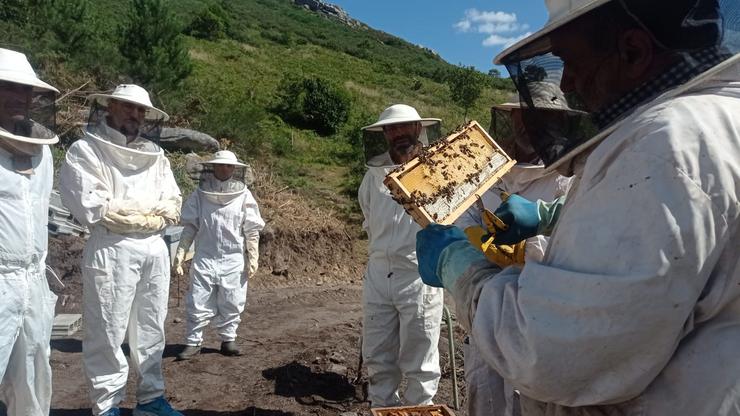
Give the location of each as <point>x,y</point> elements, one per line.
<point>507,121</point>
<point>141,137</point>
<point>27,108</point>
<point>374,142</point>
<point>701,36</point>
<point>220,189</point>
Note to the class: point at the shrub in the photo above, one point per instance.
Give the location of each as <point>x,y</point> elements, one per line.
<point>325,106</point>
<point>314,103</point>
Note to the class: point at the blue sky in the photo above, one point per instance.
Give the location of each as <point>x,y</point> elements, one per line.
<point>470,32</point>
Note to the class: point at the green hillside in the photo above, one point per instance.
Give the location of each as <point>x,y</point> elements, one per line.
<point>232,90</point>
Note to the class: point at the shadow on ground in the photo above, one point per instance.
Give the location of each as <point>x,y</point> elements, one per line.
<point>299,381</point>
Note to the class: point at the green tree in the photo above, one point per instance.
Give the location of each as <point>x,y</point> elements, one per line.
<point>71,23</point>
<point>152,45</point>
<point>466,84</point>
<point>17,11</point>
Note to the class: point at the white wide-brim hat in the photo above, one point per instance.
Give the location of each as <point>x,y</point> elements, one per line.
<point>561,12</point>
<point>134,94</point>
<point>14,67</point>
<point>224,157</point>
<point>397,114</point>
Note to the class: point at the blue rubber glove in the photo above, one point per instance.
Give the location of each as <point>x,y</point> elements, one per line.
<point>430,242</point>
<point>521,216</point>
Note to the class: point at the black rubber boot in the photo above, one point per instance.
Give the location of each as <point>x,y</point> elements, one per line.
<point>229,348</point>
<point>189,352</point>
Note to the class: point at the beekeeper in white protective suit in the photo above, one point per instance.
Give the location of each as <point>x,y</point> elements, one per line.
<point>486,392</point>
<point>117,181</point>
<point>635,308</point>
<point>224,220</point>
<point>26,177</point>
<point>402,316</point>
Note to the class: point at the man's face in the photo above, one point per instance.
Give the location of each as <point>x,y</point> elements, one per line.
<point>126,117</point>
<point>403,141</point>
<point>223,172</point>
<point>15,100</point>
<point>588,73</point>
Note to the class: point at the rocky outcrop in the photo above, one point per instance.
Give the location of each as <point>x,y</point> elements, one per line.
<point>186,140</point>
<point>330,10</point>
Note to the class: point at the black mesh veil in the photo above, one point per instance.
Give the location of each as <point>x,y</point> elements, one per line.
<point>375,145</point>
<point>147,138</point>
<point>209,181</point>
<point>698,36</point>
<point>27,114</point>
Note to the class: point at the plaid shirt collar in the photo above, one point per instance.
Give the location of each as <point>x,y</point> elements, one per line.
<point>680,73</point>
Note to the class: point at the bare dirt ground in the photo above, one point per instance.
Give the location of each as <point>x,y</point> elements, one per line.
<point>299,337</point>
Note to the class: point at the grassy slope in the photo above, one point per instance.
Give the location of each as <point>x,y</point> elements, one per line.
<point>249,69</point>
<point>230,92</point>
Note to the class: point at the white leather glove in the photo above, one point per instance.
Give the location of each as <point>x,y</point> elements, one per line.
<point>179,259</point>
<point>252,255</point>
<point>186,239</point>
<point>136,223</point>
<point>169,209</point>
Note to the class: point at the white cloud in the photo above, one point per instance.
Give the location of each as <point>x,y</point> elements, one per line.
<point>463,25</point>
<point>490,28</point>
<point>505,41</point>
<point>503,29</point>
<point>489,22</point>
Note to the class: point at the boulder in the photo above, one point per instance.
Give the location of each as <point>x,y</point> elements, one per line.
<point>186,140</point>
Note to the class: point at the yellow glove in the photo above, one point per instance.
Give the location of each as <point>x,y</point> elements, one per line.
<point>137,223</point>
<point>501,255</point>
<point>179,259</point>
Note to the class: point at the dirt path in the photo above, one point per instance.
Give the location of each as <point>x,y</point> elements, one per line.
<point>300,352</point>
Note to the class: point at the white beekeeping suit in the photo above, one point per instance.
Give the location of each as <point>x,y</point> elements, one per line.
<point>223,219</point>
<point>402,316</point>
<point>679,283</point>
<point>119,184</point>
<point>26,176</point>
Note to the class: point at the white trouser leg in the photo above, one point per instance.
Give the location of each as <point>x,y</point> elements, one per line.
<point>232,299</point>
<point>26,317</point>
<point>201,306</point>
<point>116,274</point>
<point>421,318</point>
<point>146,324</point>
<point>486,389</point>
<point>380,345</point>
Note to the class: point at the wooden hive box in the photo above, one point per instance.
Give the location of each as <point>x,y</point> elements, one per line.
<point>440,184</point>
<point>433,410</point>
